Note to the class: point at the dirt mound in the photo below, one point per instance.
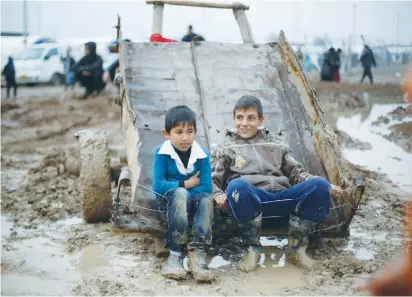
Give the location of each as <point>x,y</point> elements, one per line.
<point>47,192</point>
<point>401,112</point>
<point>345,141</point>
<point>402,135</point>
<point>348,88</point>
<point>7,105</point>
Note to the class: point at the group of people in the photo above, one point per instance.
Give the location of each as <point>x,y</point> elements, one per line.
<point>250,175</point>
<point>332,62</point>
<point>331,65</point>
<point>88,71</point>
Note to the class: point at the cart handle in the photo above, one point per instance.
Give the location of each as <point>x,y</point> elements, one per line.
<point>238,11</point>
<point>235,5</point>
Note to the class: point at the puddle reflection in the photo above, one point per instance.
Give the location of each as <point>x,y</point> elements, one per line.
<point>385,156</point>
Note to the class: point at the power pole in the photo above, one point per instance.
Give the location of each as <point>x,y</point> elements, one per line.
<point>354,27</point>
<point>25,22</point>
<point>397,27</point>
<point>39,18</point>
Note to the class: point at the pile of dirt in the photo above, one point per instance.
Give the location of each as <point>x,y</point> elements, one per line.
<point>48,192</point>
<point>38,144</point>
<point>345,141</point>
<point>388,90</point>
<point>401,112</point>
<point>402,135</point>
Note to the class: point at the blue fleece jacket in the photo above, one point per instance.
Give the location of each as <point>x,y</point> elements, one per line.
<point>168,169</point>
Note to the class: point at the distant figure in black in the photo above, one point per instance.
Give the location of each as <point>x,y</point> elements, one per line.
<point>330,65</point>
<point>9,73</point>
<point>89,71</point>
<point>190,36</point>
<point>367,60</point>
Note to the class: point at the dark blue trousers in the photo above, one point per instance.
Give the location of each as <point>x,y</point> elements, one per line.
<point>310,200</point>
<point>181,209</point>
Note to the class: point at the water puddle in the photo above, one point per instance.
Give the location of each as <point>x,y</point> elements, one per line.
<point>360,253</point>
<point>36,261</point>
<point>37,266</point>
<point>385,156</point>
<point>93,257</point>
<point>363,244</point>
<point>218,262</point>
<point>11,179</point>
<point>6,226</point>
<point>273,272</point>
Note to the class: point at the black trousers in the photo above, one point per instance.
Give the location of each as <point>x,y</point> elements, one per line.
<point>93,82</point>
<point>367,71</point>
<point>11,83</point>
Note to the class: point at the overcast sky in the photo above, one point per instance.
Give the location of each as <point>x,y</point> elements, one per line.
<point>70,19</point>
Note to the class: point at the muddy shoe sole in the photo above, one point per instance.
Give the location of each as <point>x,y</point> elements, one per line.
<point>175,276</point>
<point>204,275</point>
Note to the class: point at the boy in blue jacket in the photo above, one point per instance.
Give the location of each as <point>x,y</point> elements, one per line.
<point>183,185</point>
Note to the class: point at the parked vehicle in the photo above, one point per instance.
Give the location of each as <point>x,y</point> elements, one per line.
<point>40,63</point>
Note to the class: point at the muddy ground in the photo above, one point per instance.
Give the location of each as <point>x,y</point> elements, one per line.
<point>47,249</point>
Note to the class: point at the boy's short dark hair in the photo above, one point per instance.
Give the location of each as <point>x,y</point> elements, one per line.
<point>178,115</point>
<point>248,101</point>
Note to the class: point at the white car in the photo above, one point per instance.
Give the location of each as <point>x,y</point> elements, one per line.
<point>40,63</point>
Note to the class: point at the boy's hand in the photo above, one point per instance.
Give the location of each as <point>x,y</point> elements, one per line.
<point>192,182</point>
<point>336,191</point>
<point>221,201</point>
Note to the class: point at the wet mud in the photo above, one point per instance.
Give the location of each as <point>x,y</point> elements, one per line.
<point>48,249</point>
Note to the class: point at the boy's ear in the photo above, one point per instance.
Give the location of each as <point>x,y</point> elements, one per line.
<point>164,132</point>
<point>262,119</point>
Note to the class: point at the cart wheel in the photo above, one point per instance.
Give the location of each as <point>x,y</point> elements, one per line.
<point>160,250</point>
<point>95,175</point>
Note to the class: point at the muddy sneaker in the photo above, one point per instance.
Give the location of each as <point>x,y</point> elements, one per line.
<point>249,261</point>
<point>174,268</point>
<point>198,267</point>
<point>299,230</point>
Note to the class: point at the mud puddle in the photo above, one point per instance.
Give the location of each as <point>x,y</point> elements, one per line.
<point>36,262</point>
<point>383,156</point>
<point>273,271</point>
<point>33,264</point>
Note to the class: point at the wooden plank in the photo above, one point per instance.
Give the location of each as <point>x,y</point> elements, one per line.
<point>201,4</point>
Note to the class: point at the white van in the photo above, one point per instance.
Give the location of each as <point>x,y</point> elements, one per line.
<point>40,63</point>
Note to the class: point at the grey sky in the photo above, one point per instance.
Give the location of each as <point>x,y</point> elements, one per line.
<point>69,19</point>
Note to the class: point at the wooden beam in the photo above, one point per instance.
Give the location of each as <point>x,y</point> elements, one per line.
<point>234,6</point>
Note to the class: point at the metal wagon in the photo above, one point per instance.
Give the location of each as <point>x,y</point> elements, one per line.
<point>208,77</point>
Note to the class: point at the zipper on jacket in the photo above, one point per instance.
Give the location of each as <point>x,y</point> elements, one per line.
<point>259,159</point>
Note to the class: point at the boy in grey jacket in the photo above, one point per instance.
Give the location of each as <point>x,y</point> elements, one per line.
<point>254,174</point>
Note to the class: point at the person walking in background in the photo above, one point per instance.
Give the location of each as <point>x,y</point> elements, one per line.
<point>368,60</point>
<point>68,63</point>
<point>9,73</point>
